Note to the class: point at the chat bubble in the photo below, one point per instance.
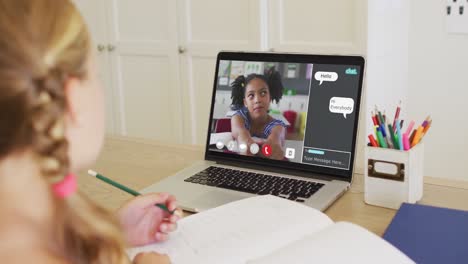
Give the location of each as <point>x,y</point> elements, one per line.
<point>326,76</point>
<point>341,105</point>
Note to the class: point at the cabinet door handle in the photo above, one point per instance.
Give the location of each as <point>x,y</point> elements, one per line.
<point>101,48</point>
<point>110,47</point>
<point>181,49</point>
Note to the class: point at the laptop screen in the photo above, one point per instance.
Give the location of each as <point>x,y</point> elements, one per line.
<point>287,110</point>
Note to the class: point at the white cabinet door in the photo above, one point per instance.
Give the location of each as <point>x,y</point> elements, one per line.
<point>207,27</point>
<point>145,66</point>
<point>317,26</point>
<point>321,27</point>
<point>95,15</point>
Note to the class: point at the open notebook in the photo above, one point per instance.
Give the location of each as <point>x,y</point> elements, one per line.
<point>268,229</point>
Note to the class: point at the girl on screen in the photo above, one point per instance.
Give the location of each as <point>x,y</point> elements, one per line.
<point>251,123</point>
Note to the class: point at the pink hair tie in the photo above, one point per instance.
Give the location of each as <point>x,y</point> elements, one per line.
<point>66,187</point>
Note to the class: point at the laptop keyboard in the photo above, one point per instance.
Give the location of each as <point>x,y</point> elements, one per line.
<point>256,183</point>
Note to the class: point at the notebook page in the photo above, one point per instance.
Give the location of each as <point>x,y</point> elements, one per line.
<point>338,243</point>
<point>239,231</point>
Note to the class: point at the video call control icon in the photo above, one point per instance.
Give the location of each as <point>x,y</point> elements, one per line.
<point>290,153</point>
<point>219,145</point>
<point>243,148</point>
<point>254,148</point>
<point>231,146</point>
<point>266,150</point>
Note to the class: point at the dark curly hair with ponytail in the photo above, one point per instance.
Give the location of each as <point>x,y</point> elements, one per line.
<point>271,77</point>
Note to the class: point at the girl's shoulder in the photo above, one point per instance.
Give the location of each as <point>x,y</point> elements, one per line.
<point>244,114</point>
<point>28,255</point>
<point>20,244</point>
<point>243,111</point>
<point>276,122</point>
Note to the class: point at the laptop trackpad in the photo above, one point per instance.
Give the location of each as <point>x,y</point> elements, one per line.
<point>213,198</point>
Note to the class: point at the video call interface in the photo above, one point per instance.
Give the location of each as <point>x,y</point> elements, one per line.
<point>295,112</point>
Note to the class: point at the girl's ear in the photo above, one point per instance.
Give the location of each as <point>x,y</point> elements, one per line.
<point>74,100</point>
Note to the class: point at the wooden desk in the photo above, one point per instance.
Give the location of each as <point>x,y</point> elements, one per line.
<point>138,163</point>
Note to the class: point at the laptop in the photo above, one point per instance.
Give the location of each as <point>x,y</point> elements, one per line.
<point>279,124</point>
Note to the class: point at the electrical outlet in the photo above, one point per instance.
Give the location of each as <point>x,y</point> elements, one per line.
<point>456,12</point>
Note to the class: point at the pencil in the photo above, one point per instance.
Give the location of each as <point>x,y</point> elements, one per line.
<point>381,139</point>
<point>417,136</point>
<point>397,115</point>
<point>410,128</point>
<point>399,135</point>
<point>427,127</point>
<point>373,141</point>
<point>393,137</point>
<point>124,188</point>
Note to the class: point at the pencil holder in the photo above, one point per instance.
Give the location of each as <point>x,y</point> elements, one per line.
<point>393,176</point>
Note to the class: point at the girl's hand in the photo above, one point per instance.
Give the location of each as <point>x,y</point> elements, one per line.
<point>151,258</point>
<point>144,223</point>
<point>276,141</point>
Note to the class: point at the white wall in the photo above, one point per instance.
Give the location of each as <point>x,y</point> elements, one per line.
<point>438,85</point>
<point>387,56</point>
<point>411,57</point>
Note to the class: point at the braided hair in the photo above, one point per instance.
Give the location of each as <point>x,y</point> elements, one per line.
<point>271,77</point>
<point>43,43</point>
